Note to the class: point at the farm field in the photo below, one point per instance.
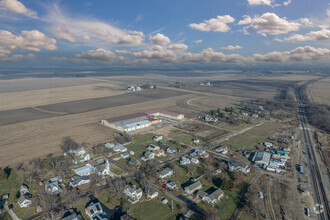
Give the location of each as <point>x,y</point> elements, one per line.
<point>35,97</point>
<point>42,137</point>
<point>319,91</point>
<point>80,106</point>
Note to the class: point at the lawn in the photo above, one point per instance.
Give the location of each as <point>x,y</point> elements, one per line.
<point>251,138</point>
<point>116,170</point>
<point>5,216</point>
<point>106,196</point>
<point>80,206</point>
<point>184,139</point>
<point>152,209</point>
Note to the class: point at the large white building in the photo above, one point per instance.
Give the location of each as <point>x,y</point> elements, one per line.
<point>128,123</point>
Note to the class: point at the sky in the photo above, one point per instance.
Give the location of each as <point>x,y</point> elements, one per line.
<point>231,33</point>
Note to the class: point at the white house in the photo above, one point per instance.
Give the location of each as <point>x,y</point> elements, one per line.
<point>167,172</point>
<point>194,160</point>
<point>53,187</point>
<point>212,198</point>
<point>85,170</point>
<point>184,161</point>
<point>79,180</point>
<point>152,194</point>
<point>25,200</point>
<point>158,138</point>
<point>124,155</point>
<point>119,148</point>
<point>109,145</point>
<point>148,156</point>
<point>133,193</point>
<point>159,153</point>
<point>171,150</point>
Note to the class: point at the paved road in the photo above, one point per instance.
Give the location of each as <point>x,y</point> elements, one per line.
<point>320,192</point>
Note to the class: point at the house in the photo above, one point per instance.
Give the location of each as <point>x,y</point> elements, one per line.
<point>171,150</point>
<point>221,149</point>
<point>85,170</point>
<point>134,162</point>
<point>164,201</point>
<point>255,116</point>
<point>268,144</point>
<point>23,189</point>
<point>109,145</point>
<point>152,194</point>
<point>171,185</point>
<point>79,180</point>
<point>72,215</point>
<point>133,88</point>
<point>193,187</point>
<point>261,159</point>
<point>196,141</point>
<point>205,155</point>
<point>199,152</point>
<point>77,152</point>
<point>148,156</point>
<point>152,147</point>
<point>184,161</point>
<point>127,217</point>
<point>124,155</point>
<point>159,153</point>
<point>94,211</point>
<point>194,160</point>
<point>53,187</point>
<point>167,172</point>
<point>212,198</point>
<point>158,138</point>
<point>235,166</point>
<point>133,193</point>
<point>119,148</point>
<point>83,158</point>
<point>25,200</point>
<point>101,167</point>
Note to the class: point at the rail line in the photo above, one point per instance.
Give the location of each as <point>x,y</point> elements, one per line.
<point>318,186</point>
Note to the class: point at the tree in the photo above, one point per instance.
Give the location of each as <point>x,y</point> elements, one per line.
<point>117,186</point>
<point>60,165</point>
<point>95,181</point>
<point>211,215</point>
<point>50,204</point>
<point>3,175</point>
<point>68,144</point>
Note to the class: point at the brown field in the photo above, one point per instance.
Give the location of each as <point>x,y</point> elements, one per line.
<point>35,97</point>
<point>79,106</point>
<point>214,102</point>
<point>23,141</point>
<point>319,92</point>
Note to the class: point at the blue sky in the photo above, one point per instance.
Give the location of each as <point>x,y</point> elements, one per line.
<point>163,33</point>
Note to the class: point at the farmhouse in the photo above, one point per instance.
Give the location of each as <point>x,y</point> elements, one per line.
<point>148,156</point>
<point>119,148</point>
<point>185,161</point>
<point>151,194</point>
<point>221,149</point>
<point>193,187</point>
<point>171,150</point>
<point>133,193</point>
<point>159,153</point>
<point>53,187</point>
<point>212,198</point>
<point>132,122</point>
<point>25,200</point>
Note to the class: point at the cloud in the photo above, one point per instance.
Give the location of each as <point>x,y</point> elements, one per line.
<point>298,54</point>
<point>62,33</point>
<point>159,39</point>
<point>198,41</point>
<point>323,34</point>
<point>82,28</point>
<point>17,7</point>
<point>177,47</point>
<point>218,24</point>
<point>270,24</point>
<point>286,3</point>
<point>231,47</point>
<point>16,57</point>
<point>28,40</point>
<point>123,51</point>
<point>99,55</point>
<point>260,2</point>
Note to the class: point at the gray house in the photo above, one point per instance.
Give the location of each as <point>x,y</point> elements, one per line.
<point>193,187</point>
<point>53,187</point>
<point>72,215</point>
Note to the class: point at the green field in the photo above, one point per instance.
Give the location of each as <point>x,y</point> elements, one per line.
<point>251,138</point>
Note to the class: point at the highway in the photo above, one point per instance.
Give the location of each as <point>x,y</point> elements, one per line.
<point>320,195</point>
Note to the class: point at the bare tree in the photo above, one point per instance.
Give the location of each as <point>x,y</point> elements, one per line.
<point>117,186</point>
<point>50,204</point>
<point>211,215</point>
<point>60,165</point>
<point>95,181</point>
<point>68,144</point>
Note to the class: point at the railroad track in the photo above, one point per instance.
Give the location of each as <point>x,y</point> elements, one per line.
<point>320,195</point>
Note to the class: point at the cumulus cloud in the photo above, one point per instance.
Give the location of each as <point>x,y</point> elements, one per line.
<point>28,40</point>
<point>99,55</point>
<point>231,47</point>
<point>298,54</point>
<point>285,3</point>
<point>198,41</point>
<point>17,7</point>
<point>162,55</point>
<point>270,24</point>
<point>181,47</point>
<point>218,24</point>
<point>123,51</point>
<point>62,33</point>
<point>14,58</point>
<point>323,34</point>
<point>91,29</point>
<point>159,39</point>
<point>260,2</point>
